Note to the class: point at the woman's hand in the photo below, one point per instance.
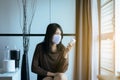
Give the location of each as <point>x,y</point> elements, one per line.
<point>69,46</point>
<point>50,74</point>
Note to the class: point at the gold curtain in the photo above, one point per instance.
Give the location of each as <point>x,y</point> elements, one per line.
<point>83,62</point>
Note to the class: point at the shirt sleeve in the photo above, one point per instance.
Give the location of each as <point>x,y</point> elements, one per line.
<point>62,65</point>
<point>35,63</point>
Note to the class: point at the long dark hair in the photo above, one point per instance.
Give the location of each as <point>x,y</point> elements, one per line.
<point>47,43</point>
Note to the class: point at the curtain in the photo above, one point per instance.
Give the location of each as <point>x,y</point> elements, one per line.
<point>84,40</point>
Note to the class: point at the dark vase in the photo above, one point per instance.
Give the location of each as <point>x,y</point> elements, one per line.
<point>25,67</point>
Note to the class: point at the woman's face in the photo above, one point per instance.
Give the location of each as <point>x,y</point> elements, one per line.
<point>57,36</point>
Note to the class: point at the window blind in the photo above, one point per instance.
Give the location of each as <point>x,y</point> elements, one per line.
<point>107,52</point>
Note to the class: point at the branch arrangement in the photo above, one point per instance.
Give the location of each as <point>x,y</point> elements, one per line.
<point>27,21</point>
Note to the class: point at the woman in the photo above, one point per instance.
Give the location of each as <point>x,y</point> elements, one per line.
<point>50,59</point>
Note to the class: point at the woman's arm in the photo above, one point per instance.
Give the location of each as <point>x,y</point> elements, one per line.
<point>35,63</point>
<point>63,62</point>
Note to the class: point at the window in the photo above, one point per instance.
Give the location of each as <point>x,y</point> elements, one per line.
<point>106,37</point>
<point>117,35</point>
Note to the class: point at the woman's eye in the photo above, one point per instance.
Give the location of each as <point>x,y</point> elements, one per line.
<point>58,33</point>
